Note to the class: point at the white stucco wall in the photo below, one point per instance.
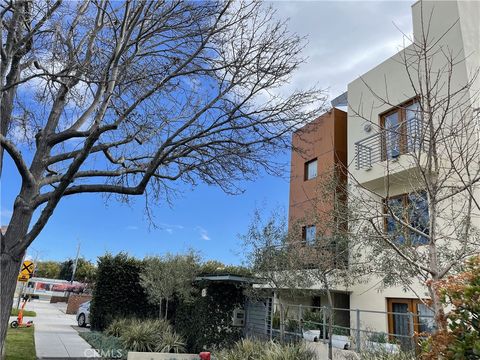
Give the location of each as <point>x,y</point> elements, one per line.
<point>388,85</point>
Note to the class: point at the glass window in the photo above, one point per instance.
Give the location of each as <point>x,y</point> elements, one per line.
<point>310,234</point>
<point>414,129</point>
<point>426,319</point>
<point>402,130</point>
<point>412,209</point>
<point>393,135</point>
<point>311,169</point>
<point>418,217</point>
<point>395,205</point>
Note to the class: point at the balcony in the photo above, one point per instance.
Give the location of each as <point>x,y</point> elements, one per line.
<point>389,144</point>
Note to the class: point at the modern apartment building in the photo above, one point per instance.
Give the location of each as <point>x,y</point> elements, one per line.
<point>320,154</point>
<point>375,140</point>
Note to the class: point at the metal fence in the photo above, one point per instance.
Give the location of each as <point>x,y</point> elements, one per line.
<point>350,328</point>
<point>406,137</point>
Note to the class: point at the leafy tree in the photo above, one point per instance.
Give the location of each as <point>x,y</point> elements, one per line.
<point>169,275</point>
<point>271,258</point>
<point>127,98</point>
<point>47,269</point>
<point>211,267</point>
<point>461,293</point>
<point>333,258</point>
<point>85,272</point>
<point>282,256</point>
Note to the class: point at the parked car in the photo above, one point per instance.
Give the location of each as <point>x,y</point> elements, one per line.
<point>83,314</point>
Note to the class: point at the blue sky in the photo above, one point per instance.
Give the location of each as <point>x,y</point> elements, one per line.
<point>203,218</point>
<point>343,43</point>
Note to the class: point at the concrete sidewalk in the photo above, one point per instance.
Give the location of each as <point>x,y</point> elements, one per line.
<point>54,336</point>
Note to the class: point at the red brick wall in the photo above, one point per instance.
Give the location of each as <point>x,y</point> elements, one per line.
<point>75,301</point>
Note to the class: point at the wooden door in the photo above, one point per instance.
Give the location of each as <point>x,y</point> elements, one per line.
<point>399,319</point>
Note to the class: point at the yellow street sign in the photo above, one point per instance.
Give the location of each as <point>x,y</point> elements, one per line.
<point>23,278</point>
<point>26,271</point>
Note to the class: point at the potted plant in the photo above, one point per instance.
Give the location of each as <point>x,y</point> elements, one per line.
<point>312,326</point>
<point>380,342</point>
<point>340,338</point>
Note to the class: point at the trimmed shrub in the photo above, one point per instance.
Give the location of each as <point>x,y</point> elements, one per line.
<point>258,350</point>
<point>140,336</point>
<point>149,335</point>
<point>109,347</point>
<point>118,293</point>
<point>117,326</point>
<point>206,322</point>
<point>171,342</point>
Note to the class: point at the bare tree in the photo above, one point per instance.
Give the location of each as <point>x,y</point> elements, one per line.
<point>434,154</point>
<point>271,259</point>
<point>290,262</point>
<point>332,257</point>
<point>126,98</point>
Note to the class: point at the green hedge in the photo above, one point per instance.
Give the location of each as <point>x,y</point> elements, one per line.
<point>206,322</point>
<point>118,292</point>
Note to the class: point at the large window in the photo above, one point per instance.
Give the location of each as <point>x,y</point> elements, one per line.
<point>402,129</point>
<point>311,169</point>
<point>412,209</point>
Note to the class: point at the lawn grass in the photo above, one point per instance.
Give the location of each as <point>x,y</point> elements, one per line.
<point>30,313</point>
<point>20,344</point>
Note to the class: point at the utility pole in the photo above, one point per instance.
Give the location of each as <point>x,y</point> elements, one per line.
<point>75,263</point>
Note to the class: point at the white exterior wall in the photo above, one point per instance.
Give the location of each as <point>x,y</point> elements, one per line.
<point>389,80</point>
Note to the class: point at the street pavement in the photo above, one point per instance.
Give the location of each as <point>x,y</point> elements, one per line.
<point>55,337</point>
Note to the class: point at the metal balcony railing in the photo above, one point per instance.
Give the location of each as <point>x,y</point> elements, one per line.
<point>389,144</point>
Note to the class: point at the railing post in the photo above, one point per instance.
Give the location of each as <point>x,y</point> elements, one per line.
<point>324,335</point>
<point>412,330</point>
<point>271,303</point>
<point>357,152</point>
<point>300,320</point>
<point>357,331</point>
<point>369,158</point>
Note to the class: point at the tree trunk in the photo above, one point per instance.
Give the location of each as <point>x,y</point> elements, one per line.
<point>166,309</point>
<point>9,268</point>
<point>438,309</point>
<point>330,325</point>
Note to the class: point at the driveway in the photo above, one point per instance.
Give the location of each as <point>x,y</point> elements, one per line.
<point>55,337</point>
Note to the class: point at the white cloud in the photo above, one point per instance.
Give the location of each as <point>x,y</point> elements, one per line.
<point>203,233</point>
<point>170,228</point>
<point>345,38</point>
